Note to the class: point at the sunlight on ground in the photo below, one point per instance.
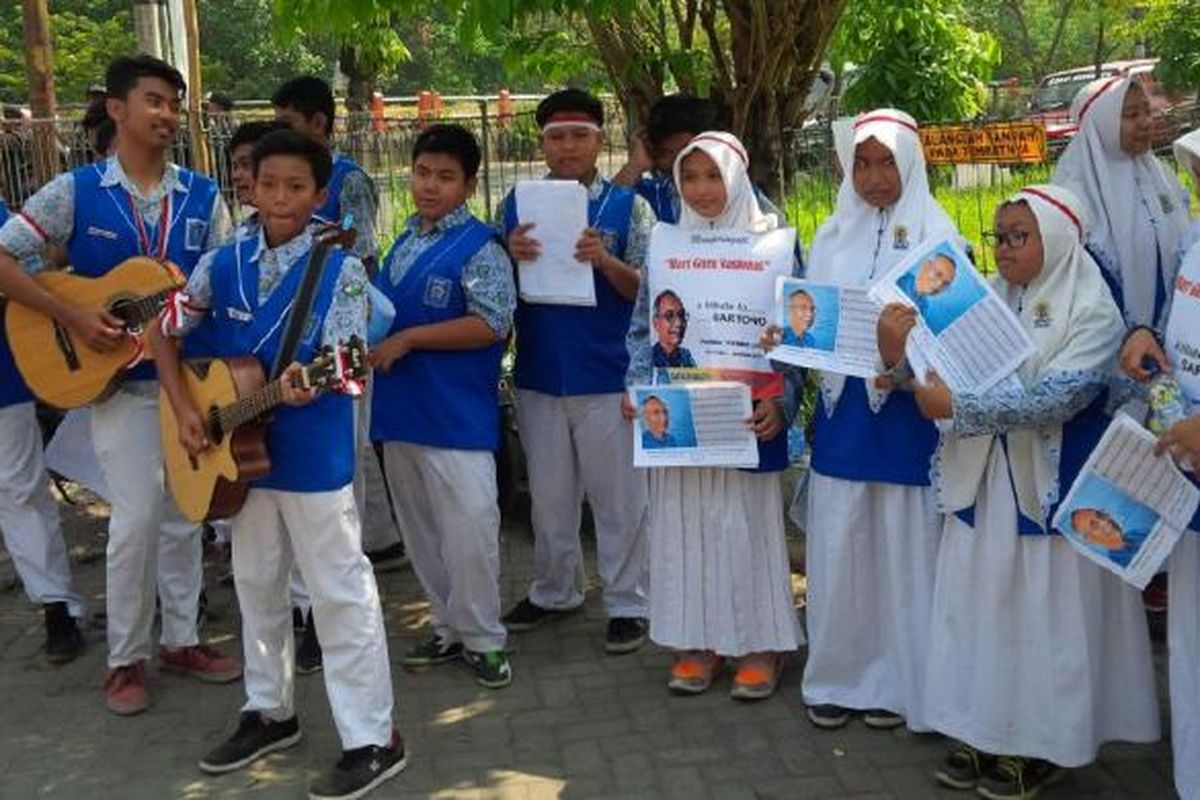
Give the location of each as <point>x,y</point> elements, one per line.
<point>453,716</point>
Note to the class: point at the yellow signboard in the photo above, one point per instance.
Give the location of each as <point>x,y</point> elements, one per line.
<point>993,143</point>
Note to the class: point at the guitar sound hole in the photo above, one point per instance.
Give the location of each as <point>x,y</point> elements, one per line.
<point>124,309</point>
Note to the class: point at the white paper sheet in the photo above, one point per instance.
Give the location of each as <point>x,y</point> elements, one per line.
<point>559,213</point>
<point>838,327</point>
<point>1128,507</point>
<point>693,425</point>
<point>965,331</point>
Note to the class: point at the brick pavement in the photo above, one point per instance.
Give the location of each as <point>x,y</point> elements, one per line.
<point>576,723</point>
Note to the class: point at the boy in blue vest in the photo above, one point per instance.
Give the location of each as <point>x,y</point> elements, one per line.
<point>304,509</point>
<point>28,514</point>
<point>570,378</point>
<point>134,203</point>
<point>436,402</point>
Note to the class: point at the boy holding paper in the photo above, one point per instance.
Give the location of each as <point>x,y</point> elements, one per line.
<point>570,377</point>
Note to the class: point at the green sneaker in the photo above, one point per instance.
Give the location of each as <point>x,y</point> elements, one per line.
<point>430,653</point>
<point>963,767</point>
<point>492,670</point>
<point>1015,778</point>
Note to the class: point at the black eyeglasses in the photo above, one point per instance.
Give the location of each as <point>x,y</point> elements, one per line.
<point>1015,240</point>
<point>673,316</point>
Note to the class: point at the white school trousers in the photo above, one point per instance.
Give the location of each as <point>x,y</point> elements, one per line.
<point>576,446</point>
<point>150,544</point>
<point>446,500</point>
<point>28,513</point>
<point>320,532</point>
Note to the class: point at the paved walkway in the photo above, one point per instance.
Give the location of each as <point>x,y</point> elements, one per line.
<point>575,723</point>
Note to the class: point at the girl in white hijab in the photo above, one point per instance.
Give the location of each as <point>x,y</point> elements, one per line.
<point>1135,203</point>
<point>720,583</point>
<point>1037,655</point>
<point>872,526</point>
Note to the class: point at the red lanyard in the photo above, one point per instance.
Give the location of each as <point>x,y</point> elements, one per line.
<point>164,228</point>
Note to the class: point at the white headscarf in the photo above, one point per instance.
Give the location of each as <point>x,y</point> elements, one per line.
<point>1187,151</point>
<point>859,243</point>
<point>741,211</point>
<point>1134,202</point>
<point>1076,327</point>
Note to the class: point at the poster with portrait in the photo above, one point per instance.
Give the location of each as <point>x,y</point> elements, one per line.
<point>827,327</point>
<point>1128,507</point>
<point>693,425</point>
<point>712,293</point>
<point>965,332</point>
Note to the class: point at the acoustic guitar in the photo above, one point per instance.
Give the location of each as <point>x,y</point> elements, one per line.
<point>234,397</point>
<point>61,369</point>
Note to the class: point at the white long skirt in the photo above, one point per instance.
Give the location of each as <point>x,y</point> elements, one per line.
<point>871,554</point>
<point>719,574</point>
<point>1035,650</point>
<point>1183,639</point>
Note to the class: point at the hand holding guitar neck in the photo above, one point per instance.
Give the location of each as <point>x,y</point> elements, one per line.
<point>294,386</point>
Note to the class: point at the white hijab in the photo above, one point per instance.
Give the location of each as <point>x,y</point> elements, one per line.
<point>859,243</point>
<point>1134,202</point>
<point>1076,327</point>
<point>741,211</point>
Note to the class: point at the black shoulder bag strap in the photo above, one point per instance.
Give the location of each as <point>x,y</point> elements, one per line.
<point>298,317</point>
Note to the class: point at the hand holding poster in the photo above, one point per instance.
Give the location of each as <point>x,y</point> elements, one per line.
<point>965,331</point>
<point>693,425</point>
<point>711,294</point>
<point>558,211</point>
<point>1128,507</point>
<point>827,327</point>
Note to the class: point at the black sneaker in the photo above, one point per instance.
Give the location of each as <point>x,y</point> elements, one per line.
<point>882,719</point>
<point>1015,778</point>
<point>254,738</point>
<point>308,652</point>
<point>963,767</point>
<point>828,716</point>
<point>64,642</point>
<point>492,670</point>
<point>389,559</point>
<point>625,634</point>
<point>526,615</point>
<point>360,770</point>
<point>431,653</point>
<point>297,619</point>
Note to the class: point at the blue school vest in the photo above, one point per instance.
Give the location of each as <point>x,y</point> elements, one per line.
<point>659,192</point>
<point>773,453</point>
<point>12,387</point>
<point>331,209</point>
<point>894,446</point>
<point>105,234</point>
<point>441,398</point>
<point>311,448</point>
<point>575,350</point>
<point>1080,435</point>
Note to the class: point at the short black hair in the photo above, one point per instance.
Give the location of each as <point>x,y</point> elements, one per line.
<point>290,143</point>
<point>123,74</point>
<point>666,294</point>
<point>251,132</point>
<point>576,100</point>
<point>683,113</point>
<point>309,95</point>
<point>221,99</point>
<point>453,140</point>
<point>103,136</point>
<point>96,113</point>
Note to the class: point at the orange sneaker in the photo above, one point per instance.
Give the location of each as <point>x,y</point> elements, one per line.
<point>693,671</point>
<point>200,661</point>
<point>757,676</point>
<point>125,689</point>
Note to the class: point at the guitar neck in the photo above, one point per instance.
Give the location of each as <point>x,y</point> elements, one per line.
<point>138,312</point>
<point>250,407</point>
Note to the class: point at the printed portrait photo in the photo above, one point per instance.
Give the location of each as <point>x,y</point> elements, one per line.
<point>942,287</point>
<point>809,315</point>
<point>669,321</point>
<point>1108,521</point>
<point>665,419</point>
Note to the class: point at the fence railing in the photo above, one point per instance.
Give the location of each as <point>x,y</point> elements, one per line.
<point>31,151</point>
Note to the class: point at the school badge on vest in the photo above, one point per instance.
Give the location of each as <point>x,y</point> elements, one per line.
<point>1041,315</point>
<point>899,238</point>
<point>437,292</point>
<point>195,233</point>
<point>611,239</point>
<point>1168,206</point>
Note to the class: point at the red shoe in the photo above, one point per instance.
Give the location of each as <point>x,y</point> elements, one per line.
<point>200,661</point>
<point>125,689</point>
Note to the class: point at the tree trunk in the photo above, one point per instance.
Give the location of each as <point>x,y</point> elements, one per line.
<point>360,82</point>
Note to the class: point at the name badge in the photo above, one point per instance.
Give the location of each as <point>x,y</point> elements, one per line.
<point>194,234</point>
<point>238,315</point>
<point>437,292</point>
<point>101,232</point>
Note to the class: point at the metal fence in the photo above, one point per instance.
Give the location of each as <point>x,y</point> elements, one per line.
<point>33,150</point>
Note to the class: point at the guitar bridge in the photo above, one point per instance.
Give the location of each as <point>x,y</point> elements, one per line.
<point>65,346</point>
